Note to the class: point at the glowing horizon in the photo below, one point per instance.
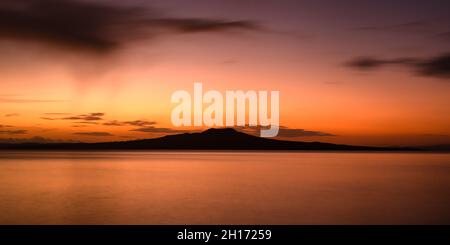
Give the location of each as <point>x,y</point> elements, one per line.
<point>342,78</point>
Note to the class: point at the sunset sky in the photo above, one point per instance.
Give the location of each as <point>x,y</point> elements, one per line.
<point>354,72</point>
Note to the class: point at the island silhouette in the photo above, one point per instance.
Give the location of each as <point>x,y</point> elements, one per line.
<point>210,139</point>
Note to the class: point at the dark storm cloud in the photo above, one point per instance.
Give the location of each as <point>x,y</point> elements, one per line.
<point>94,134</point>
<point>18,131</point>
<point>140,123</point>
<point>437,66</point>
<point>96,26</point>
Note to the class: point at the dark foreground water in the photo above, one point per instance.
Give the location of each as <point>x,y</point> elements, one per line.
<point>223,188</point>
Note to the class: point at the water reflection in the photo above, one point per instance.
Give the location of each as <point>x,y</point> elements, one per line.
<point>223,187</point>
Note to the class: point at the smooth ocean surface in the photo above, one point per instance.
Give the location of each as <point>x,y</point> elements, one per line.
<point>224,188</point>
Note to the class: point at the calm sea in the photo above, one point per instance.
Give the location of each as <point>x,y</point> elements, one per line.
<point>224,188</point>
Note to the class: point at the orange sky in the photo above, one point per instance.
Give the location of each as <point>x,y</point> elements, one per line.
<point>303,57</point>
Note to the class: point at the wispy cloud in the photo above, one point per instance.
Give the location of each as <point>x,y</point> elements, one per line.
<point>286,132</point>
<point>12,115</point>
<point>35,139</point>
<point>96,116</point>
<point>101,134</point>
<point>140,123</point>
<point>437,66</point>
<point>18,131</point>
<point>295,132</point>
<point>8,100</point>
<point>86,117</point>
<point>87,122</point>
<point>48,118</point>
<point>97,26</point>
<point>152,129</point>
<point>79,126</point>
<point>417,25</point>
<point>368,62</point>
<point>56,113</point>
